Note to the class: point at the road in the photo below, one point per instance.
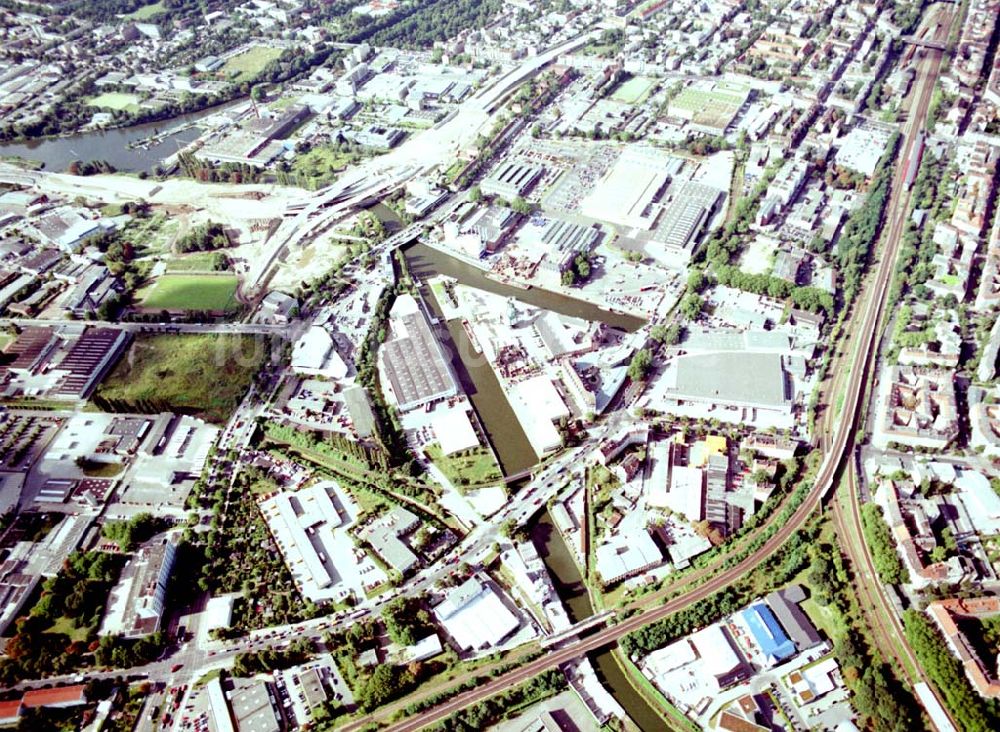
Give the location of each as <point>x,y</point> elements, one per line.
<point>282,331</point>
<point>870,310</point>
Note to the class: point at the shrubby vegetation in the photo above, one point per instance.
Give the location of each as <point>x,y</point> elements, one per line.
<point>504,705</point>
<point>238,537</point>
<point>58,635</point>
<point>420,24</point>
<point>864,226</point>
<point>971,712</point>
<point>204,238</point>
<point>887,563</point>
<point>877,694</point>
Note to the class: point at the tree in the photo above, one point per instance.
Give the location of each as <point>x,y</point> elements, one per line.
<point>691,306</point>
<point>129,534</point>
<point>386,683</point>
<point>640,364</point>
<point>475,194</point>
<point>666,335</point>
<point>521,206</point>
<point>696,281</point>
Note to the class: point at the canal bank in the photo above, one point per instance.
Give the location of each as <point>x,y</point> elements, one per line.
<point>480,383</point>
<point>477,376</point>
<point>426,263</point>
<point>573,592</point>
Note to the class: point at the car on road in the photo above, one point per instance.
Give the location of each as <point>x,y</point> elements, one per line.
<point>176,667</point>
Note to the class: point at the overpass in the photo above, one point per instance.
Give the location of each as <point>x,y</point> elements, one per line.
<point>311,215</point>
<point>924,43</point>
<point>491,97</point>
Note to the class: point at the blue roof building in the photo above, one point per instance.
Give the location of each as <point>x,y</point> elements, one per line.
<point>768,634</point>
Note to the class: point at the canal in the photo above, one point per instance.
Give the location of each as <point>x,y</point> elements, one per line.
<point>573,592</point>
<point>511,445</point>
<point>426,262</point>
<point>112,145</point>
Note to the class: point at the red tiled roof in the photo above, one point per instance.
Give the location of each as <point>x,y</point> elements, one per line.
<point>53,697</point>
<point>9,709</point>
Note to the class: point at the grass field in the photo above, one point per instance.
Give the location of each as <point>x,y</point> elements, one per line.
<point>206,375</point>
<point>116,101</point>
<point>194,262</point>
<point>65,625</point>
<point>190,292</point>
<point>467,468</point>
<point>634,91</point>
<point>147,11</point>
<point>247,65</point>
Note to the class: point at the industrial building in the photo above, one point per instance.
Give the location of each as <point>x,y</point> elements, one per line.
<point>475,230</point>
<point>768,633</point>
<point>385,534</point>
<point>412,365</point>
<point>302,524</point>
<point>688,212</point>
<point>64,364</point>
<point>315,354</point>
<point>628,193</point>
<point>862,147</point>
<point>258,143</point>
<point>626,556</point>
<point>728,381</point>
<point>137,603</point>
<point>475,616</point>
<point>560,241</point>
<point>512,179</point>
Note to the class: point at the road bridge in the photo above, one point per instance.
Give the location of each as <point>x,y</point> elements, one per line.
<point>924,43</point>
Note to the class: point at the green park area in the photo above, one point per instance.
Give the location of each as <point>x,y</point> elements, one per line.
<point>473,467</point>
<point>634,91</point>
<point>321,165</point>
<point>203,374</point>
<point>147,11</point>
<point>191,292</point>
<point>116,101</point>
<point>247,66</point>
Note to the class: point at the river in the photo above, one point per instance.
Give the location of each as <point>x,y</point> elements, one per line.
<point>112,145</point>
<point>573,592</point>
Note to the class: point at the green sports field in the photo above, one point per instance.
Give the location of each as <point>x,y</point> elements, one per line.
<point>115,100</point>
<point>715,107</point>
<point>248,65</point>
<point>191,292</point>
<point>147,11</point>
<point>634,91</point>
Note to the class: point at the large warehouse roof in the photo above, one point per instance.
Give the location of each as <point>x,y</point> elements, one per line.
<point>412,360</point>
<point>750,379</point>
